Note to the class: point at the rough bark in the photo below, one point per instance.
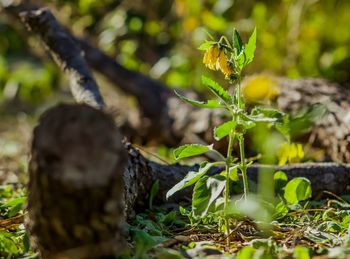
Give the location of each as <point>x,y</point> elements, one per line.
<point>64,51</point>
<point>75,191</point>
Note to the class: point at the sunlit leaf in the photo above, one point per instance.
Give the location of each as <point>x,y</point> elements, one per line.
<point>250,48</point>
<point>224,129</point>
<point>205,192</point>
<point>281,210</point>
<point>191,178</point>
<point>210,104</point>
<point>233,173</point>
<point>207,44</point>
<point>217,89</point>
<point>296,190</point>
<point>247,252</point>
<point>301,252</point>
<point>191,150</point>
<point>266,114</point>
<point>7,243</point>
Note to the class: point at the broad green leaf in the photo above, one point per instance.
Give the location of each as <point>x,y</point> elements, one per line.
<point>237,42</point>
<point>7,243</point>
<point>210,104</point>
<point>247,252</point>
<point>280,179</point>
<point>15,206</point>
<point>206,45</point>
<point>191,178</point>
<point>301,252</point>
<point>233,173</point>
<point>224,129</point>
<point>205,192</point>
<point>217,89</point>
<point>250,48</point>
<point>267,114</point>
<point>296,190</point>
<point>304,121</point>
<point>330,226</point>
<point>321,237</point>
<point>281,210</point>
<point>191,150</point>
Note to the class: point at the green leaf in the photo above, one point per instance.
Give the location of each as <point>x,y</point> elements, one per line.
<point>233,173</point>
<point>169,218</point>
<point>266,115</point>
<point>320,237</point>
<point>301,252</point>
<point>15,206</point>
<point>205,192</point>
<point>224,129</point>
<point>280,179</point>
<point>206,45</point>
<point>304,121</point>
<point>210,104</point>
<point>247,252</point>
<point>143,242</point>
<point>7,243</point>
<point>250,48</point>
<point>245,122</point>
<point>191,178</point>
<point>153,193</point>
<point>217,89</point>
<point>281,210</point>
<point>191,150</point>
<point>296,190</point>
<point>284,127</point>
<point>237,42</point>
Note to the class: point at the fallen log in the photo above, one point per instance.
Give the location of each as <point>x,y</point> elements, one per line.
<point>84,181</point>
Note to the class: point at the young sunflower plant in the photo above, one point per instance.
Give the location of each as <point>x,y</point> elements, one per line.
<point>230,58</point>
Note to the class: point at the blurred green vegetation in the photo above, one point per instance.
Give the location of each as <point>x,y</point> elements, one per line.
<point>296,38</point>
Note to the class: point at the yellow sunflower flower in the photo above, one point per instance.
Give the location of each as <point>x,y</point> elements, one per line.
<point>224,64</point>
<point>211,56</point>
<point>260,88</point>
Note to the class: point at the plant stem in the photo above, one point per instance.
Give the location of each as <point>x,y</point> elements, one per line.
<point>243,165</point>
<point>239,93</point>
<point>227,184</point>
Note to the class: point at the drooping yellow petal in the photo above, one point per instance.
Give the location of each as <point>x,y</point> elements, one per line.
<point>210,57</point>
<point>224,65</point>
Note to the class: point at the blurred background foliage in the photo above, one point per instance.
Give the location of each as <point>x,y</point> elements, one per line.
<point>296,38</point>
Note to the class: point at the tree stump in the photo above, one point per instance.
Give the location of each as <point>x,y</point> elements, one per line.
<point>76,189</point>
